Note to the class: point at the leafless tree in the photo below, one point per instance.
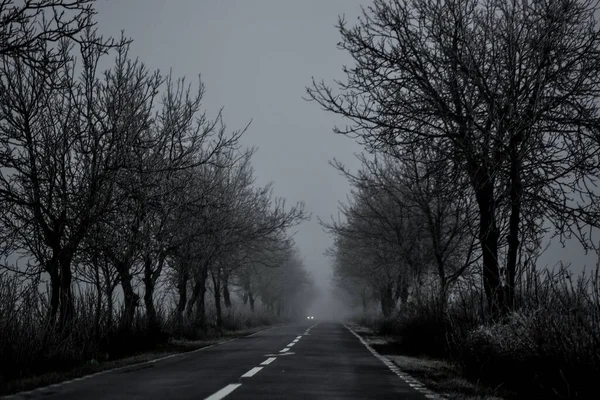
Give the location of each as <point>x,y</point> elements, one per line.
<point>378,240</point>
<point>281,289</point>
<point>446,216</point>
<point>162,154</point>
<point>505,91</point>
<point>231,222</point>
<point>27,26</point>
<point>58,161</point>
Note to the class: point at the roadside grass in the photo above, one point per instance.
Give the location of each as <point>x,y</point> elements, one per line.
<point>93,366</point>
<point>440,376</point>
<point>446,379</point>
<point>35,353</point>
<point>547,347</point>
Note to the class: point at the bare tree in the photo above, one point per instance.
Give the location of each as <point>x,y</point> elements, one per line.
<point>446,216</point>
<point>28,26</point>
<point>57,159</point>
<point>163,152</point>
<point>282,289</point>
<point>504,90</point>
<point>252,218</point>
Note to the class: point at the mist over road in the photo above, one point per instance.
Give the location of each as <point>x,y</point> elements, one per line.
<point>316,360</point>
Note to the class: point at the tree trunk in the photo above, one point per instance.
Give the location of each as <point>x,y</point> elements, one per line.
<point>193,298</point>
<point>198,299</point>
<point>443,298</point>
<point>514,221</point>
<point>109,306</point>
<point>251,300</point>
<point>131,298</point>
<point>488,238</point>
<point>387,301</point>
<point>108,288</point>
<point>226,294</point>
<point>54,290</point>
<point>182,291</point>
<point>401,290</point>
<point>98,284</point>
<point>67,307</point>
<point>217,295</point>
<point>149,284</point>
<point>201,307</point>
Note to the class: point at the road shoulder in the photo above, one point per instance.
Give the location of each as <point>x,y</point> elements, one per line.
<point>93,368</point>
<point>439,376</point>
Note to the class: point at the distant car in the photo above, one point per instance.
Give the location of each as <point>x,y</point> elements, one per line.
<point>310,317</point>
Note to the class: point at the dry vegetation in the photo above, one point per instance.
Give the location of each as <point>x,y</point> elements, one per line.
<point>547,348</point>
<point>34,354</point>
<point>481,126</point>
<point>130,220</point>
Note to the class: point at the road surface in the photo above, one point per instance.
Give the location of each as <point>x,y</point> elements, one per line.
<point>312,360</point>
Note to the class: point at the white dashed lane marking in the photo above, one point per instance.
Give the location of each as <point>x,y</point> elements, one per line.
<point>252,372</point>
<point>231,387</point>
<point>223,392</point>
<point>268,361</point>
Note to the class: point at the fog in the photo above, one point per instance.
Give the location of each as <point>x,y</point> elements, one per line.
<point>167,187</point>
<point>256,58</point>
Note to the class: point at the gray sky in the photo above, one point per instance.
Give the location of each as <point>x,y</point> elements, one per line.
<point>255,58</point>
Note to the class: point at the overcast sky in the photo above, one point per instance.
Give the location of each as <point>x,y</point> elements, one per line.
<point>255,58</point>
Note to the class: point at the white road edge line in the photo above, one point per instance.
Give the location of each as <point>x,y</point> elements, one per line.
<point>284,350</point>
<point>268,361</point>
<point>223,392</point>
<point>252,372</point>
<point>402,375</point>
<point>106,371</point>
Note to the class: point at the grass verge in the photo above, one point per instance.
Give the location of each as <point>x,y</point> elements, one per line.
<point>173,346</point>
<point>440,376</point>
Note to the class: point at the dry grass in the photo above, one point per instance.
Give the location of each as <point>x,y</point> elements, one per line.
<point>175,346</point>
<point>34,352</point>
<point>445,378</point>
<point>440,376</point>
<point>547,348</point>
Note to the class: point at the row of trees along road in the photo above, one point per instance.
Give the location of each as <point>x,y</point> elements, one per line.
<point>481,118</point>
<point>121,195</point>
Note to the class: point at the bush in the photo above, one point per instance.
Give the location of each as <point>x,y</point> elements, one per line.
<point>238,318</point>
<point>369,320</point>
<point>28,344</point>
<point>549,348</point>
<point>419,328</point>
<point>540,355</point>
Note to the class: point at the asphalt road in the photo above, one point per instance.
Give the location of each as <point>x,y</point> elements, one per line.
<point>312,360</point>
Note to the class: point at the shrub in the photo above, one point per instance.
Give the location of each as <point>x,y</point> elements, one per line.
<point>549,348</point>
